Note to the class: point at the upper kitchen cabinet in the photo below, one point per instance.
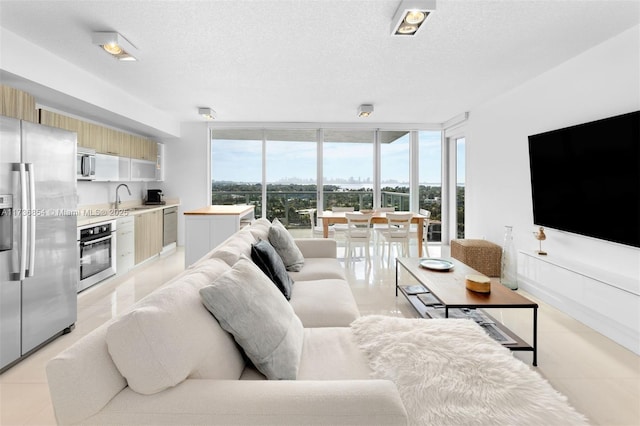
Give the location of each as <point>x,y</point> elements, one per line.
<point>17,104</point>
<point>93,136</point>
<point>117,143</point>
<point>143,149</point>
<point>60,121</point>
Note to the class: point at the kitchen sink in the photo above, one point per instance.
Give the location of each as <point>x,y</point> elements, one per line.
<point>141,208</point>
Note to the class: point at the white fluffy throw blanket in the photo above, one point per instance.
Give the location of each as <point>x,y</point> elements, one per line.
<point>450,372</point>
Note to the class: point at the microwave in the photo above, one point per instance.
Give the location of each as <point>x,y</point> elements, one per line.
<point>85,164</point>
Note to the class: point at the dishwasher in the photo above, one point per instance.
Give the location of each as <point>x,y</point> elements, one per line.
<point>170,226</point>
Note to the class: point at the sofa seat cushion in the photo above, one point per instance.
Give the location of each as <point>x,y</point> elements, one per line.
<point>324,303</point>
<point>169,336</point>
<point>331,353</point>
<point>247,304</point>
<point>328,353</point>
<point>319,268</point>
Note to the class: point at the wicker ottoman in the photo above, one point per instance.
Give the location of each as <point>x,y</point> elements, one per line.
<point>482,255</point>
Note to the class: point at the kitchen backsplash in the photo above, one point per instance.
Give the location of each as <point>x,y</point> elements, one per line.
<point>105,192</point>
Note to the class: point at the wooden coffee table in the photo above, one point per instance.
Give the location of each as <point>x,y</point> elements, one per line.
<point>447,291</point>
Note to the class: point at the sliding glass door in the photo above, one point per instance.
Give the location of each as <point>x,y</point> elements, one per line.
<point>395,170</point>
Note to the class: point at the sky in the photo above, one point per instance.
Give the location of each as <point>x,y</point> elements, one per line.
<point>240,160</point>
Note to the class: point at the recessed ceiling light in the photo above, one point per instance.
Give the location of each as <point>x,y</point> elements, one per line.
<point>365,110</point>
<point>411,16</point>
<point>415,17</point>
<point>115,45</point>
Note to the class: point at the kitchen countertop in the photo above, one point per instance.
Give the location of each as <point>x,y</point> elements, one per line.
<point>222,210</point>
<point>88,215</point>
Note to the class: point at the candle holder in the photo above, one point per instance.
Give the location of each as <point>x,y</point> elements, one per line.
<point>540,236</point>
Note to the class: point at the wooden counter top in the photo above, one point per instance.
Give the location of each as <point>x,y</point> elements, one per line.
<point>222,210</point>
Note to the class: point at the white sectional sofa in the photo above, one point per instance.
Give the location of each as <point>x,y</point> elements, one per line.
<point>169,361</point>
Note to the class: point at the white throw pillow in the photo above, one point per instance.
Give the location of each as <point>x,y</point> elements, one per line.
<point>247,304</point>
<point>170,336</point>
<point>282,240</point>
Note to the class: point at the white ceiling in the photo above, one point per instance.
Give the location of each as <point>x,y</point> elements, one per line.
<point>317,60</point>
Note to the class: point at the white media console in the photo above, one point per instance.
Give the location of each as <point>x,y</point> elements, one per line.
<point>605,301</point>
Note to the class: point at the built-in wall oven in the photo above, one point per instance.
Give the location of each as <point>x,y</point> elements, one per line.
<point>97,251</point>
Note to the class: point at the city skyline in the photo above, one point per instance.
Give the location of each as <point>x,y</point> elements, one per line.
<point>295,162</point>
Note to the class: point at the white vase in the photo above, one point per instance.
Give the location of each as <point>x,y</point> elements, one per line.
<point>509,268</point>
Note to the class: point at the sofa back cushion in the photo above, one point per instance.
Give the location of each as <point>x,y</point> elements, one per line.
<point>248,305</point>
<point>260,228</point>
<point>169,336</point>
<point>233,247</point>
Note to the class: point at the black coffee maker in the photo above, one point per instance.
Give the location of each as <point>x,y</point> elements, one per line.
<point>154,196</point>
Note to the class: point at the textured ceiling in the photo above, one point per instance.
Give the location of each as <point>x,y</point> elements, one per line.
<point>316,61</point>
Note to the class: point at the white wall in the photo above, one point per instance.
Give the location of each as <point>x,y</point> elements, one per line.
<point>187,171</point>
<point>23,58</point>
<point>602,82</point>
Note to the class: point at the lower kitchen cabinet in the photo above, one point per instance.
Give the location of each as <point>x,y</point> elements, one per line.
<point>148,234</point>
<point>125,244</point>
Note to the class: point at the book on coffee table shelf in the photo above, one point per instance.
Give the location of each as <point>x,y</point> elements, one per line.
<point>429,299</point>
<point>479,317</point>
<point>414,289</point>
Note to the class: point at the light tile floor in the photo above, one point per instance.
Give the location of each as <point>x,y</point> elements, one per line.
<point>600,378</point>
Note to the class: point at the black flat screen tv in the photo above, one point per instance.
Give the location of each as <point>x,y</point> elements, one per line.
<point>585,179</point>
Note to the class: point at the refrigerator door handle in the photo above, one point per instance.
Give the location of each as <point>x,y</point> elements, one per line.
<point>21,169</point>
<point>32,218</point>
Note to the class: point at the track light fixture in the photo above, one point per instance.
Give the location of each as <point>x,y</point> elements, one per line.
<point>365,110</point>
<point>207,113</point>
<point>116,45</point>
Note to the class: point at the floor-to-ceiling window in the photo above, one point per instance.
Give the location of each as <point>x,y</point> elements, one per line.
<point>236,167</point>
<point>291,158</point>
<point>430,180</point>
<point>277,170</point>
<point>348,169</point>
<point>394,170</point>
<point>460,187</point>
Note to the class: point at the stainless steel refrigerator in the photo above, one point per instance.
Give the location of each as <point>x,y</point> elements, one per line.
<point>38,247</point>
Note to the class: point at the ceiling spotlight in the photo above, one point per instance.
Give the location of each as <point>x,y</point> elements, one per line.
<point>207,113</point>
<point>410,16</point>
<point>115,45</point>
<point>365,110</point>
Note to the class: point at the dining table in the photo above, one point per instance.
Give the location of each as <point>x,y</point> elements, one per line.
<point>330,217</point>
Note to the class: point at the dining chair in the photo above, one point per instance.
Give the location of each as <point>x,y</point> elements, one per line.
<point>377,227</point>
<point>425,231</point>
<point>358,233</point>
<point>341,227</point>
<point>316,229</point>
<point>396,231</point>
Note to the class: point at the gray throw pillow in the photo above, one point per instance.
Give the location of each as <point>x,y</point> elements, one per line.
<point>285,245</point>
<point>247,305</point>
<point>269,261</point>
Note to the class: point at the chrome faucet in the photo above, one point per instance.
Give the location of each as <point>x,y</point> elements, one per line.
<point>118,201</point>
